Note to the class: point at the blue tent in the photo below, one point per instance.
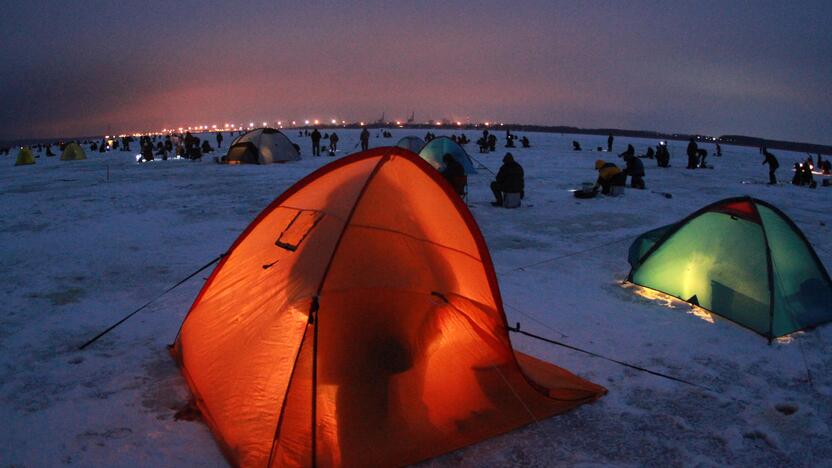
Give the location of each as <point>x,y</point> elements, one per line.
<point>439,147</point>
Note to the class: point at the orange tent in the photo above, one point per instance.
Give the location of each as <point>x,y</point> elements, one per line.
<point>357,321</point>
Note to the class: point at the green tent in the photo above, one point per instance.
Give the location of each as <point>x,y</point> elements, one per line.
<point>24,156</point>
<point>73,152</point>
<point>742,259</point>
<point>436,149</point>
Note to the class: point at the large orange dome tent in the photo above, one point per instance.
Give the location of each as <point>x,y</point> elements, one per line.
<point>358,321</point>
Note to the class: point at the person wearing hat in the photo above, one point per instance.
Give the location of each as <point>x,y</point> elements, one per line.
<point>609,175</point>
<point>510,179</point>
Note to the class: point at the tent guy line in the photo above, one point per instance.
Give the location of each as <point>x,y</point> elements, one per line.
<point>126,317</point>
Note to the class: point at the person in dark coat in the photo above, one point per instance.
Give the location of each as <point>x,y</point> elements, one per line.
<point>576,146</point>
<point>510,179</point>
<point>798,174</point>
<point>773,164</point>
<point>525,142</point>
<point>650,153</point>
<point>634,169</point>
<point>609,143</point>
<point>219,139</point>
<point>206,147</point>
<point>692,154</point>
<point>333,143</point>
<point>316,142</point>
<point>718,150</point>
<point>628,153</point>
<point>492,142</point>
<point>662,155</point>
<point>701,154</point>
<point>454,173</point>
<point>365,139</point>
<point>147,151</point>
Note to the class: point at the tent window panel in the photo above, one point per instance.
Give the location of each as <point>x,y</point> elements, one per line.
<point>802,295</point>
<point>291,237</point>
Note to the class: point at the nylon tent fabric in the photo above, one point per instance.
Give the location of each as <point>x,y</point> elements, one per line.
<point>73,152</point>
<point>357,322</point>
<point>412,143</point>
<point>742,259</point>
<point>435,149</point>
<point>24,157</point>
<point>262,146</point>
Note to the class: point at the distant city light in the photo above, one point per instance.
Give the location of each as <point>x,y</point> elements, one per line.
<point>306,122</point>
<point>334,121</point>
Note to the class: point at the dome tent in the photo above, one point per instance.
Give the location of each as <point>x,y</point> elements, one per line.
<point>434,150</point>
<point>24,157</point>
<point>742,259</point>
<point>341,331</point>
<point>262,146</point>
<point>73,152</point>
<point>412,143</point>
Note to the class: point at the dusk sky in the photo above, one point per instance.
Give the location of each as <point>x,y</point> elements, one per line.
<point>80,67</point>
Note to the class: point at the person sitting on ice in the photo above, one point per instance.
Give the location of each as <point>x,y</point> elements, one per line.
<point>147,152</point>
<point>650,153</point>
<point>701,154</point>
<point>798,174</point>
<point>525,142</point>
<point>333,143</point>
<point>510,180</point>
<point>483,144</point>
<point>634,169</point>
<point>454,173</point>
<point>609,176</point>
<point>49,150</point>
<point>693,154</point>
<point>576,146</point>
<point>662,155</point>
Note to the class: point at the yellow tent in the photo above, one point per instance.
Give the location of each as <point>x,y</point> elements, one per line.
<point>24,157</point>
<point>73,152</point>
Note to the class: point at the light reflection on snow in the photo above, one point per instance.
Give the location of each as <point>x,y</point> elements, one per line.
<point>669,301</point>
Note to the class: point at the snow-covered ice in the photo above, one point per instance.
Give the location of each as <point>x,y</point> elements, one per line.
<point>79,252</point>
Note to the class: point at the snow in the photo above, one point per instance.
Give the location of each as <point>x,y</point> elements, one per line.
<point>80,251</point>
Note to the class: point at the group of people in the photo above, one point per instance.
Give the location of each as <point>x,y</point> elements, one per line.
<point>333,138</point>
<point>508,183</point>
<point>185,146</point>
<point>697,156</point>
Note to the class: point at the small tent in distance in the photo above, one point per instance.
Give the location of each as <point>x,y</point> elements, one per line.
<point>434,150</point>
<point>742,259</point>
<point>24,157</point>
<point>73,152</point>
<point>262,146</point>
<point>357,322</point>
<point>412,143</point>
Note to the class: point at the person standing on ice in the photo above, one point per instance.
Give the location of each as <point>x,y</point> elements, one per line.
<point>510,179</point>
<point>365,139</point>
<point>773,164</point>
<point>692,154</point>
<point>718,150</point>
<point>316,142</point>
<point>219,139</point>
<point>609,143</point>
